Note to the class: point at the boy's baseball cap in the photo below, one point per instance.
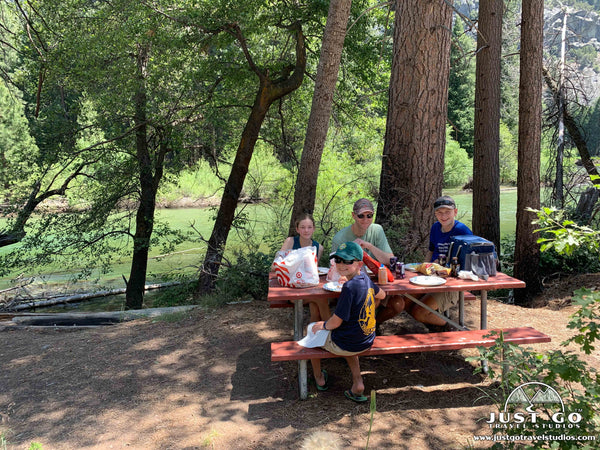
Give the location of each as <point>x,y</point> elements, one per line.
<point>361,205</point>
<point>349,251</point>
<point>445,201</point>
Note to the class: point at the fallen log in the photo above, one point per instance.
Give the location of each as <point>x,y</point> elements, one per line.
<point>90,319</point>
<point>30,304</point>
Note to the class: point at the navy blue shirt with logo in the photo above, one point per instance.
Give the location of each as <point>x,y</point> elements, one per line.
<point>356,308</point>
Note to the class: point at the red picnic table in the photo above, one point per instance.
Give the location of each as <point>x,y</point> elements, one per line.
<point>278,295</point>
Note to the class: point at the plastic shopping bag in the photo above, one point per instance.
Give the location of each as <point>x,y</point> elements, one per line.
<point>297,268</point>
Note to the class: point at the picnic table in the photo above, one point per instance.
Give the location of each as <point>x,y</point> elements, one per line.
<point>279,295</point>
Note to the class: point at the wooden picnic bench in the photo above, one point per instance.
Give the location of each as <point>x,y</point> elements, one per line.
<point>412,343</point>
<point>279,296</point>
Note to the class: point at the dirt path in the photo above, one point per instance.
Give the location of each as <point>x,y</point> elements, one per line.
<point>207,382</point>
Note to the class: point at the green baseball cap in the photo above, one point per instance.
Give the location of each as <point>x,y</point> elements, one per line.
<point>349,251</point>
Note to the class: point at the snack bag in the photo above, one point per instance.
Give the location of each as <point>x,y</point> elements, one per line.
<point>433,269</point>
<point>373,265</point>
<point>297,268</point>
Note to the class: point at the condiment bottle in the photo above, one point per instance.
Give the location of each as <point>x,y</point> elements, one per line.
<point>454,267</point>
<point>382,275</point>
<point>442,259</point>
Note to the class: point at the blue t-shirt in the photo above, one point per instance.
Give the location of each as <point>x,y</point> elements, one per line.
<point>439,242</point>
<point>356,308</point>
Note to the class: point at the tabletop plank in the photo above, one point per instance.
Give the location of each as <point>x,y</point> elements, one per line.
<point>397,287</point>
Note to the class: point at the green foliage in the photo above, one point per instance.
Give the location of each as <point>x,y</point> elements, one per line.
<point>247,277</point>
<point>577,384</point>
<point>563,235</point>
<point>458,167</point>
<point>16,144</point>
<point>508,156</point>
<point>461,89</point>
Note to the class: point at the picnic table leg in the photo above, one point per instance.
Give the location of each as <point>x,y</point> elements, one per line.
<point>298,334</point>
<point>483,322</point>
<point>461,308</point>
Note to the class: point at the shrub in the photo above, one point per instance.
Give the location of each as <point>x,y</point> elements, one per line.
<point>577,384</point>
<point>247,277</point>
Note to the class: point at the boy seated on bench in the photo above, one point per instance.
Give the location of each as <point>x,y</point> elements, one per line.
<point>352,325</point>
<point>442,230</point>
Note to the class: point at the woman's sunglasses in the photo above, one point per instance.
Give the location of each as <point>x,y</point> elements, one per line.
<point>339,260</point>
<point>362,216</point>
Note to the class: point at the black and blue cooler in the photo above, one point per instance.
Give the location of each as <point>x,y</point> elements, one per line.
<point>474,254</point>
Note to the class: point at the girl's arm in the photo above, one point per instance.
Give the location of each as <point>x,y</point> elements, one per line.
<point>319,253</point>
<point>287,244</point>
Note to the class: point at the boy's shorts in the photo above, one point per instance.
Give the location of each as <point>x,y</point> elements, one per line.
<point>332,347</point>
<point>445,300</point>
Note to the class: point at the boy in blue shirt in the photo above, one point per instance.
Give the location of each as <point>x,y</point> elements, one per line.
<point>442,230</point>
<point>352,325</point>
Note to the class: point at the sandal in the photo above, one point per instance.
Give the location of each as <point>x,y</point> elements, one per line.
<point>358,398</point>
<point>325,386</point>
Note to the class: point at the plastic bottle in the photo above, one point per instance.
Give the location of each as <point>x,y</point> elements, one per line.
<point>454,267</point>
<point>382,275</point>
<point>442,259</point>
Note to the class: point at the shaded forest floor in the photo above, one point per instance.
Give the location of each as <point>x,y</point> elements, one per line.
<point>206,381</point>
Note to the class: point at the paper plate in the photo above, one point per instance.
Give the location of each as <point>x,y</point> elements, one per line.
<point>313,339</point>
<point>425,280</point>
<point>323,270</point>
<point>333,287</point>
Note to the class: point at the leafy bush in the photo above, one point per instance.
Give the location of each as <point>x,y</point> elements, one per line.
<point>247,277</point>
<point>566,245</point>
<point>577,384</point>
<point>458,167</point>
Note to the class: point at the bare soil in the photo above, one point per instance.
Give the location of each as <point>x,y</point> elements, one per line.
<point>206,381</point>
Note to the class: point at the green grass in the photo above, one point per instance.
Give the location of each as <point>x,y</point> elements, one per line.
<point>508,208</point>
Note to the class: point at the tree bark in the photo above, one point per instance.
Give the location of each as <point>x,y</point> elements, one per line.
<point>413,153</point>
<point>320,112</point>
<point>149,178</point>
<point>527,251</point>
<point>486,150</point>
<point>574,132</point>
<point>268,92</point>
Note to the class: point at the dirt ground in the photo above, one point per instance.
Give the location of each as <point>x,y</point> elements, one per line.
<point>206,381</point>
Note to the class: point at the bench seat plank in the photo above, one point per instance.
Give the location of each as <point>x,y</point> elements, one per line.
<point>412,343</point>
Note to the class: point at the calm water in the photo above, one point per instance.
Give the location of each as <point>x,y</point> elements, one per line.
<point>187,256</point>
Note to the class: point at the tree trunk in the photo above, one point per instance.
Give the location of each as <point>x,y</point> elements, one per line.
<point>413,153</point>
<point>558,195</point>
<point>527,251</point>
<point>268,92</point>
<point>320,112</point>
<point>144,222</point>
<point>486,150</point>
<point>574,132</point>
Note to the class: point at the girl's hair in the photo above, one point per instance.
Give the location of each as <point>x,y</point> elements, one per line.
<point>302,217</point>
